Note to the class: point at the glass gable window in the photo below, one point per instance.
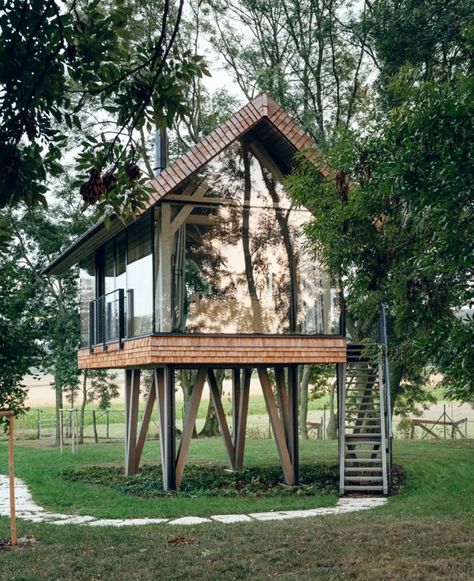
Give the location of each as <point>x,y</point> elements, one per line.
<point>239,262</point>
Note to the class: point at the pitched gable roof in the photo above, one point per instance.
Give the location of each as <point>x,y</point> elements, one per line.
<point>262,117</point>
<point>261,108</point>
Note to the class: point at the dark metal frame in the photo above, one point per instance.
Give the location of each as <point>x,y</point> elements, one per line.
<point>98,320</point>
<point>383,338</point>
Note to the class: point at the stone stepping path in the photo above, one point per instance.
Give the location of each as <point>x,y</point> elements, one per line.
<point>27,509</point>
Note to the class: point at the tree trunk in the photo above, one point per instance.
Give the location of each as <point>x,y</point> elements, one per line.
<point>187,378</point>
<point>396,374</point>
<point>59,405</point>
<point>252,287</point>
<point>331,430</point>
<point>83,406</point>
<point>304,384</point>
<point>211,426</point>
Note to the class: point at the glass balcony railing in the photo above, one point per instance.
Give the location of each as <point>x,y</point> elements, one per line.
<point>110,318</point>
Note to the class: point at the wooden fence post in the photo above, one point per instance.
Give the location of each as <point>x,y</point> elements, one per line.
<point>11,471</point>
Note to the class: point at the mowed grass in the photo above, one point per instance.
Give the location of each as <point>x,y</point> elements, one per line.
<point>424,533</point>
<point>40,467</point>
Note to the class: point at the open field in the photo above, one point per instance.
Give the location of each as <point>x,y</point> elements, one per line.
<point>427,532</point>
<point>258,424</point>
<point>41,401</point>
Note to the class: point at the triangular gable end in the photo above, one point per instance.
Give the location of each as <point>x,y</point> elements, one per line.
<point>260,108</point>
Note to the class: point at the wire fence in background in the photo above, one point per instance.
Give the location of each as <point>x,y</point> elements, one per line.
<point>109,425</point>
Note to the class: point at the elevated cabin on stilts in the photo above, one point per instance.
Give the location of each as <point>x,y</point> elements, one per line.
<point>213,274</point>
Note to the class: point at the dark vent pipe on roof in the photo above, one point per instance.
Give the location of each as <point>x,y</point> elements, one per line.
<point>161,150</point>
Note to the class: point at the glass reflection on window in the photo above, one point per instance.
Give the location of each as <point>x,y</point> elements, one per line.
<point>86,294</point>
<point>140,278</point>
<point>241,266</point>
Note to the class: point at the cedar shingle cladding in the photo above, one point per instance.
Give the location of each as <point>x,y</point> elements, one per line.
<point>231,350</point>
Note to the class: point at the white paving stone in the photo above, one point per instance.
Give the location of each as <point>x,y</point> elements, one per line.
<point>28,510</point>
<point>74,520</point>
<point>189,520</point>
<point>126,522</point>
<point>231,518</point>
<point>276,515</point>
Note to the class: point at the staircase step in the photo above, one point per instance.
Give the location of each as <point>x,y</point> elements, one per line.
<point>362,487</point>
<point>363,418</point>
<point>374,435</point>
<point>363,460</point>
<point>362,423</point>
<point>372,442</point>
<point>356,452</point>
<point>362,469</point>
<point>356,411</point>
<point>362,478</point>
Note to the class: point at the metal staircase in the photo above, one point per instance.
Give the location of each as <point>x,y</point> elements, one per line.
<point>364,421</point>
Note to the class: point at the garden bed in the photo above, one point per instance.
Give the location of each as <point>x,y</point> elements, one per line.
<point>199,480</point>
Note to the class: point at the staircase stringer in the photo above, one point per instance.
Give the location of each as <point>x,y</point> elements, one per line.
<point>383,422</point>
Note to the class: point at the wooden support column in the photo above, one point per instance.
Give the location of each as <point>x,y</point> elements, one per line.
<point>169,444</point>
<point>217,401</point>
<point>293,442</point>
<point>160,400</point>
<point>189,425</point>
<point>283,398</point>
<point>277,426</point>
<point>241,427</point>
<point>132,394</point>
<point>150,402</point>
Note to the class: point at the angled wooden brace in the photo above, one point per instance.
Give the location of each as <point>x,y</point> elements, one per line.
<point>277,426</point>
<point>217,401</point>
<point>189,424</point>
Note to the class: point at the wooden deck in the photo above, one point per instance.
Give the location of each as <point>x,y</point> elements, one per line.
<point>215,351</point>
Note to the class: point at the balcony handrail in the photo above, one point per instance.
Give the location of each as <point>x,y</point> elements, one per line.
<point>98,319</point>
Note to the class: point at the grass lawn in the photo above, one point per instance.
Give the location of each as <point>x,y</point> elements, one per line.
<point>40,468</point>
<point>426,532</point>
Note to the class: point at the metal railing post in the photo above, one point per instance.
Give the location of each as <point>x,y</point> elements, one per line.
<point>91,324</point>
<point>121,302</point>
<point>388,399</point>
<point>105,324</point>
<point>130,309</point>
<point>103,321</point>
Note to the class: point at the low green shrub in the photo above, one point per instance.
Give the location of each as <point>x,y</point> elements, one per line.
<point>210,481</point>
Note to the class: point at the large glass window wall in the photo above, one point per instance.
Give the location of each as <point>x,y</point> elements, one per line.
<point>239,260</point>
<point>123,264</point>
<point>228,255</point>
